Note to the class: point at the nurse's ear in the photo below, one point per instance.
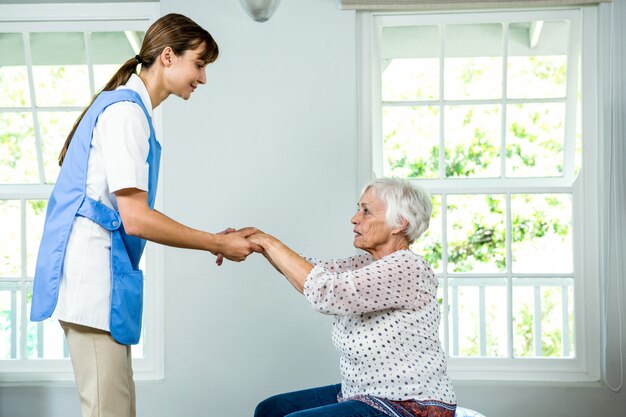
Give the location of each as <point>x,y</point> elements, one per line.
<point>167,56</point>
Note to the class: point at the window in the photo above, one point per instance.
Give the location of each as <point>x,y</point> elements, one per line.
<point>53,64</point>
<point>484,110</point>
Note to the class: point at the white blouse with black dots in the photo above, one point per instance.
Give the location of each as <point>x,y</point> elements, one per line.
<point>386,325</point>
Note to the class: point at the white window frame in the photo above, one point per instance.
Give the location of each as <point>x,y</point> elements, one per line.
<point>585,366</point>
<point>88,18</point>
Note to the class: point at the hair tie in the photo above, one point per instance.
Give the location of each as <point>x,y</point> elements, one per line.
<point>138,59</point>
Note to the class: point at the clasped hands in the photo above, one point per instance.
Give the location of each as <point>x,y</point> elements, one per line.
<point>236,245</point>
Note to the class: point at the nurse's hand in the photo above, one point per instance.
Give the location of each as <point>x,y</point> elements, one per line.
<point>220,257</point>
<point>235,247</point>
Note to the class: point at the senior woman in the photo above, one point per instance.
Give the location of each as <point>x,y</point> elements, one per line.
<point>386,316</point>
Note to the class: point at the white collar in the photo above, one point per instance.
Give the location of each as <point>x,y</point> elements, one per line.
<point>136,84</point>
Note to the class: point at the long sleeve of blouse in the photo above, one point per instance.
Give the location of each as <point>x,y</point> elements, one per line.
<point>360,284</point>
<point>342,265</point>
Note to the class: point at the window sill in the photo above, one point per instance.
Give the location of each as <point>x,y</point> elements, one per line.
<point>59,373</point>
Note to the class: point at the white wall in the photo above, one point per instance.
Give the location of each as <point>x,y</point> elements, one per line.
<point>270,141</point>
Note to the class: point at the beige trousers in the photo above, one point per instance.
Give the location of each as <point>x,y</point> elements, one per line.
<point>103,372</point>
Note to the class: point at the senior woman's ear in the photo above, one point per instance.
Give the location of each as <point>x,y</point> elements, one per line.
<point>402,228</point>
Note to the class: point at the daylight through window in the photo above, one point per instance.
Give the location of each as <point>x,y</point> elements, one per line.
<point>482,110</point>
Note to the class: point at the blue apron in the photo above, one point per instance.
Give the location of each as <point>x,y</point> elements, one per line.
<point>68,200</point>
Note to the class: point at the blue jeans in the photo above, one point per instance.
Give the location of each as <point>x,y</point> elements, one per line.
<point>314,402</point>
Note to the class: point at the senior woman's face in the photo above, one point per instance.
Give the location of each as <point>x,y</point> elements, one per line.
<point>371,231</point>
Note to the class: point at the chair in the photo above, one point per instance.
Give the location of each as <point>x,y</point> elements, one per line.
<point>466,412</point>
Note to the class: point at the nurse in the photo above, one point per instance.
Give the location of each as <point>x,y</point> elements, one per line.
<point>101,213</point>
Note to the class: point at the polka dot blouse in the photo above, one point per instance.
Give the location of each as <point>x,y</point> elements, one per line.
<point>386,325</point>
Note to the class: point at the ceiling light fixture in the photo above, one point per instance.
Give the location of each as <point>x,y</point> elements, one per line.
<point>260,10</point>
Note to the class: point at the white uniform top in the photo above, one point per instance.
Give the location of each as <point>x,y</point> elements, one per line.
<point>117,160</point>
<point>386,325</point>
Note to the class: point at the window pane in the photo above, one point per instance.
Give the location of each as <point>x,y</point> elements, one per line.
<point>472,138</point>
<point>568,290</point>
<point>465,319</point>
<point>55,126</point>
<point>60,69</point>
<point>10,246</point>
<point>14,90</point>
<point>35,216</point>
<point>578,163</point>
<point>411,141</point>
<point>476,233</point>
<point>102,74</point>
<point>551,321</point>
<point>495,319</point>
<point>473,62</point>
<point>45,339</point>
<point>430,243</point>
<point>542,317</point>
<point>479,311</point>
<point>410,63</point>
<point>523,319</point>
<point>542,233</point>
<point>10,315</point>
<point>535,137</point>
<point>14,87</point>
<point>537,64</point>
<point>18,154</point>
<point>109,50</point>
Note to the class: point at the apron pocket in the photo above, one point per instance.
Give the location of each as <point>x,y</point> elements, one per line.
<point>126,307</point>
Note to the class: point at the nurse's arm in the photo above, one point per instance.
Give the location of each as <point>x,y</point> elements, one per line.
<point>142,221</point>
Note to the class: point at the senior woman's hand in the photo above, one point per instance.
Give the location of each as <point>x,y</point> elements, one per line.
<point>262,239</point>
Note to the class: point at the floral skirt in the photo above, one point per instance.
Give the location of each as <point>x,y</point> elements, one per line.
<point>410,408</point>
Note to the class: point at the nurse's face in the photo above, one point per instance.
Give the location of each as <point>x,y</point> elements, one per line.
<point>185,73</point>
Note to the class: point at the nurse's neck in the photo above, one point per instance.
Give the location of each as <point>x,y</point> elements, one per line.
<point>153,80</point>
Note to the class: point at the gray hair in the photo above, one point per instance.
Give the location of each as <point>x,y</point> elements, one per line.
<point>403,200</point>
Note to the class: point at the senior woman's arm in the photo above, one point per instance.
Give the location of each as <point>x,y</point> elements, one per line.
<point>400,280</point>
<point>342,265</point>
<point>293,266</point>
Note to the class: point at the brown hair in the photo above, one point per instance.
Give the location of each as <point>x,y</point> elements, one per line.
<point>174,30</point>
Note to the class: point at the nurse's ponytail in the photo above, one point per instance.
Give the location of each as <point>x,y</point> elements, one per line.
<point>174,30</point>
